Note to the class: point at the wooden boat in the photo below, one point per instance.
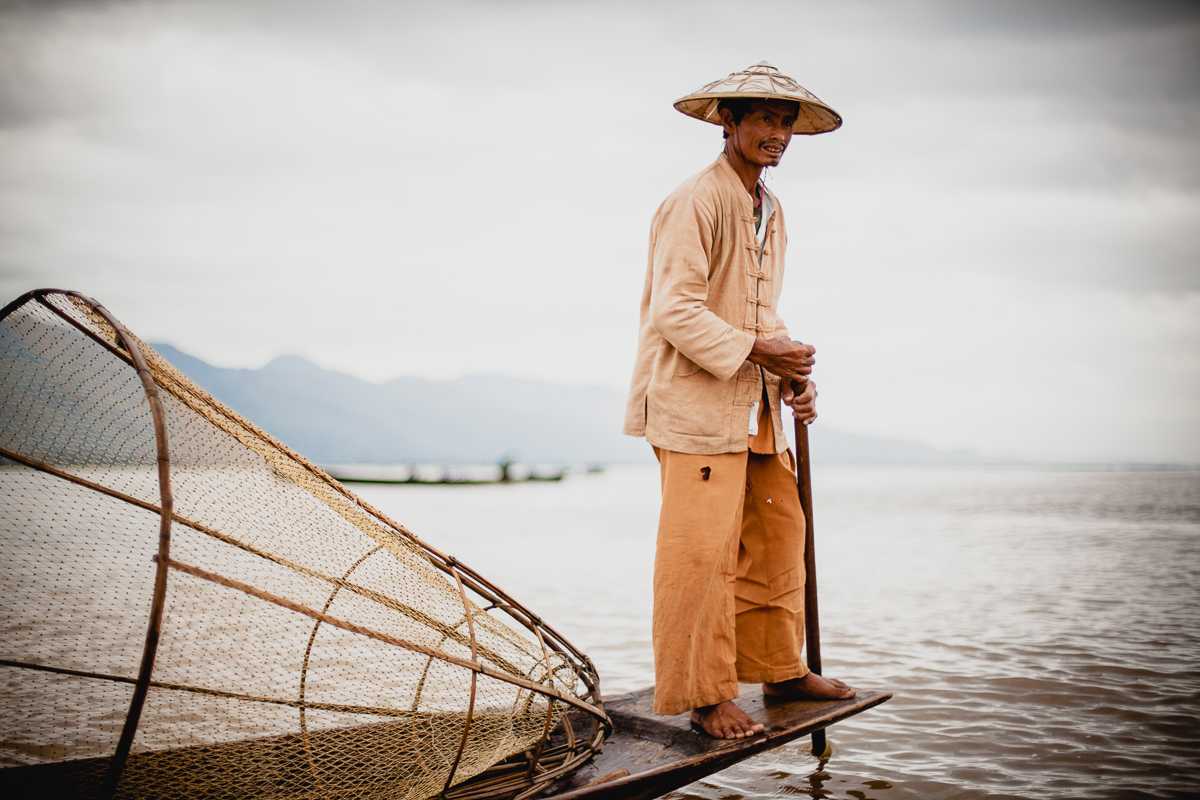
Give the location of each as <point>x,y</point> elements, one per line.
<point>266,633</point>
<point>648,755</point>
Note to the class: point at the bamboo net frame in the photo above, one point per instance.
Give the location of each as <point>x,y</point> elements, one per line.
<point>189,608</point>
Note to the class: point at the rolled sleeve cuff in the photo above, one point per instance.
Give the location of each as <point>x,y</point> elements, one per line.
<point>724,361</point>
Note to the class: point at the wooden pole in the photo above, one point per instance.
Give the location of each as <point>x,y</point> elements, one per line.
<point>812,626</point>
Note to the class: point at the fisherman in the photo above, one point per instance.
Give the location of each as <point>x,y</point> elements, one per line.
<point>714,362</point>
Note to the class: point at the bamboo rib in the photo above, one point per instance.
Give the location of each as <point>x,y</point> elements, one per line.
<point>154,625</point>
<point>312,765</point>
<point>341,708</point>
<point>474,684</point>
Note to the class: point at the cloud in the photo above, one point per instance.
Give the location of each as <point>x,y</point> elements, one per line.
<point>465,187</point>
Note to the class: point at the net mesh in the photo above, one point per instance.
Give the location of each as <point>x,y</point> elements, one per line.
<point>200,612</point>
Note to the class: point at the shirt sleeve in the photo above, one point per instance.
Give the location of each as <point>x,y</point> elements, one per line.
<point>684,235</point>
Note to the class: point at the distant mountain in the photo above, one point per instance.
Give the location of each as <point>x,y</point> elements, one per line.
<point>835,447</point>
<point>334,418</point>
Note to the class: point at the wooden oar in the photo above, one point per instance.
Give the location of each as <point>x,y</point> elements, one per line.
<point>812,627</point>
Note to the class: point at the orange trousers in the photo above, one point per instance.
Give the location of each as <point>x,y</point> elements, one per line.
<point>728,577</point>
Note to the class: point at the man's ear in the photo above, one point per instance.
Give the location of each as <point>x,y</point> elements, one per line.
<point>727,120</point>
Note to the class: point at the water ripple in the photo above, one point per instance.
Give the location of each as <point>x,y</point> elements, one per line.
<point>1039,628</point>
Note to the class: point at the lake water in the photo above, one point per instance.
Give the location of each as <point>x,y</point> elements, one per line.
<point>1040,628</point>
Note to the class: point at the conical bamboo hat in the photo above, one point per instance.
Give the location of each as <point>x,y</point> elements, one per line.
<point>765,82</point>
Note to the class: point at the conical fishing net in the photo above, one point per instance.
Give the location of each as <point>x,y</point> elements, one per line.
<point>189,609</point>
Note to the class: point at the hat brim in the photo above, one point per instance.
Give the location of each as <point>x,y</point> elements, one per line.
<point>814,117</point>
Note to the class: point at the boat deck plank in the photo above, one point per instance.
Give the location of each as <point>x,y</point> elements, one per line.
<point>649,754</point>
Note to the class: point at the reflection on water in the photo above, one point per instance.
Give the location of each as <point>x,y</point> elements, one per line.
<point>1040,628</point>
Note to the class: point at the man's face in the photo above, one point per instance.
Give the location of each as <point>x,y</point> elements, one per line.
<point>764,133</point>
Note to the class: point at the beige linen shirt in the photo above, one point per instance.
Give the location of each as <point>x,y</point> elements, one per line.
<point>709,293</point>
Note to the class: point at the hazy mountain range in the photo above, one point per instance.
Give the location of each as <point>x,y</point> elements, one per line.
<point>334,418</point>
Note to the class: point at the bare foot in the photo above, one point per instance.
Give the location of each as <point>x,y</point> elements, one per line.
<point>725,721</point>
<point>811,687</point>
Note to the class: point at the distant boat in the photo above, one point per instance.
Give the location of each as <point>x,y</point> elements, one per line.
<point>422,475</point>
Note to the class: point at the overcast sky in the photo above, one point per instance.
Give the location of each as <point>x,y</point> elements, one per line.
<point>999,250</point>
